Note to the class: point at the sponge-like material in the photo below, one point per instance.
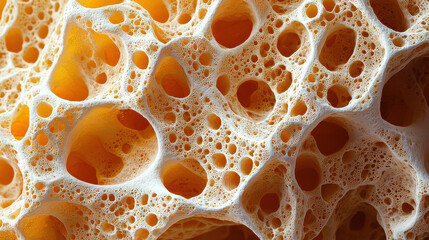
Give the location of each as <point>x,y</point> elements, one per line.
<point>214,119</point>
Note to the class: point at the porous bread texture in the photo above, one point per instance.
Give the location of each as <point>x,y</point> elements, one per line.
<point>206,119</point>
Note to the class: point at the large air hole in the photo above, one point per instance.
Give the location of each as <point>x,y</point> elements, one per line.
<point>338,48</point>
<point>97,156</point>
<point>338,96</point>
<point>291,39</point>
<point>330,137</point>
<point>14,40</point>
<point>10,182</point>
<point>6,172</point>
<point>232,24</point>
<point>186,178</point>
<point>328,191</point>
<point>390,14</point>
<point>67,80</point>
<point>31,55</point>
<point>43,227</point>
<point>222,84</point>
<point>400,105</point>
<point>98,3</point>
<point>219,160</point>
<point>2,5</point>
<point>288,43</point>
<point>356,68</point>
<point>362,223</point>
<point>172,78</point>
<point>140,59</point>
<point>257,98</point>
<point>156,8</point>
<point>20,123</point>
<point>231,180</point>
<point>81,47</point>
<point>307,172</point>
<point>200,228</point>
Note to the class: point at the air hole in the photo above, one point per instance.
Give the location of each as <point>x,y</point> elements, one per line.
<point>14,40</point>
<point>231,180</point>
<point>330,137</point>
<point>407,208</point>
<point>107,227</point>
<point>188,131</point>
<point>96,155</point>
<point>338,48</point>
<point>43,31</point>
<point>246,165</point>
<point>98,3</point>
<point>222,84</point>
<point>2,5</point>
<point>311,11</point>
<point>356,69</point>
<point>390,14</point>
<point>288,43</point>
<point>151,219</point>
<point>307,172</point>
<point>173,79</point>
<point>232,24</point>
<point>299,109</point>
<point>43,227</point>
<point>257,98</point>
<point>329,5</point>
<point>187,179</point>
<point>6,172</point>
<point>141,60</point>
<point>205,59</point>
<point>398,42</point>
<point>348,156</point>
<point>328,191</point>
<point>219,160</point>
<point>184,18</point>
<point>156,8</point>
<point>44,110</point>
<point>67,80</point>
<point>20,123</point>
<point>101,78</point>
<point>42,139</point>
<point>285,136</point>
<point>214,121</point>
<point>269,203</point>
<point>116,17</point>
<point>398,106</point>
<point>338,96</point>
<point>31,55</point>
<point>141,234</point>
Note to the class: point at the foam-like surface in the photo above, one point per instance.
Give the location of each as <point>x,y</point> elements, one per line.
<point>214,119</point>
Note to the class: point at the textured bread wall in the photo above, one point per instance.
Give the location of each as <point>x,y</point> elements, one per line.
<point>204,119</point>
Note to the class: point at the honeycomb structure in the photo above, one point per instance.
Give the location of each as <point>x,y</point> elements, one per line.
<point>214,119</point>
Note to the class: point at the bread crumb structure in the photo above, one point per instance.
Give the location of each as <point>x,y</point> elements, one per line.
<point>214,119</point>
